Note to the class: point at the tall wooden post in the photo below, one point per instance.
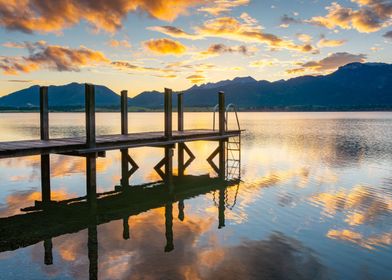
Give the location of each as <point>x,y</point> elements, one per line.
<point>168,113</point>
<point>90,114</point>
<point>44,113</point>
<point>180,155</point>
<point>44,131</point>
<point>180,112</point>
<point>126,228</point>
<point>124,112</point>
<point>221,112</point>
<point>91,181</point>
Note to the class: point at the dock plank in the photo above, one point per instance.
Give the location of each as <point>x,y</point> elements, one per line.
<point>107,142</point>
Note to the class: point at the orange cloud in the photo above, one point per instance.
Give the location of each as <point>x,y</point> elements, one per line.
<point>233,29</point>
<point>221,6</point>
<point>165,46</point>
<point>54,57</point>
<point>371,16</point>
<point>325,43</point>
<point>53,16</point>
<point>174,32</point>
<point>196,79</point>
<point>331,62</point>
<point>122,43</point>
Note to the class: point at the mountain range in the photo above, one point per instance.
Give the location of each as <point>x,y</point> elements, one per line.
<point>355,86</point>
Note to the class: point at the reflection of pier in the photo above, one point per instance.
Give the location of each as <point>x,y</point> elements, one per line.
<point>73,215</point>
<point>48,219</point>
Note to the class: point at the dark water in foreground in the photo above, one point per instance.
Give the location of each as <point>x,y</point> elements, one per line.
<point>315,202</point>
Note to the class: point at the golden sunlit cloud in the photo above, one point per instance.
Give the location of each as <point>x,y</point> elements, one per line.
<point>196,79</point>
<point>330,63</point>
<point>165,46</point>
<point>117,43</point>
<point>371,16</point>
<point>305,38</point>
<point>222,6</point>
<point>43,16</point>
<point>58,58</point>
<point>233,29</point>
<point>174,32</point>
<point>325,43</point>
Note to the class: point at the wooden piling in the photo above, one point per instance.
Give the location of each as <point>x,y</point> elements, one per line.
<point>44,113</point>
<point>90,114</point>
<point>168,113</point>
<point>221,103</point>
<point>180,112</point>
<point>222,159</point>
<point>44,131</point>
<point>124,112</point>
<point>169,227</point>
<point>221,208</point>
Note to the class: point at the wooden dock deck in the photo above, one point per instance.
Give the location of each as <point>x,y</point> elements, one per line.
<point>77,145</point>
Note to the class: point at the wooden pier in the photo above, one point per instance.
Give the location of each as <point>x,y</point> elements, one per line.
<point>92,143</point>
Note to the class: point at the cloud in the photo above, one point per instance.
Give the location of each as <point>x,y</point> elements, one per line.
<point>52,57</point>
<point>233,29</point>
<point>371,16</point>
<point>331,62</point>
<point>14,45</point>
<point>116,43</point>
<point>286,21</point>
<point>217,49</point>
<point>388,35</point>
<point>325,43</point>
<point>196,79</point>
<point>305,38</point>
<point>125,65</point>
<point>174,32</point>
<point>218,7</point>
<point>53,16</point>
<point>165,46</point>
<point>262,63</point>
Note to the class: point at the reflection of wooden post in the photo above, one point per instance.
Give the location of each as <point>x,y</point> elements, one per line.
<point>90,114</point>
<point>181,206</point>
<point>221,208</point>
<point>125,228</point>
<point>124,168</point>
<point>48,260</point>
<point>221,112</point>
<point>222,159</point>
<point>92,246</point>
<point>124,112</point>
<point>169,227</point>
<point>168,113</point>
<point>181,168</point>
<point>44,131</point>
<point>180,112</point>
<point>169,165</point>
<point>91,181</point>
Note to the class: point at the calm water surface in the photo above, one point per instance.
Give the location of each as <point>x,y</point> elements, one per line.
<point>315,202</point>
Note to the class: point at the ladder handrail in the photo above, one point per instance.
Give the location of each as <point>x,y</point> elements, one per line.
<point>232,106</point>
<point>228,107</point>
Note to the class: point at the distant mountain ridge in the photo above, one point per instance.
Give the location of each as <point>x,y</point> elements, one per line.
<point>355,86</point>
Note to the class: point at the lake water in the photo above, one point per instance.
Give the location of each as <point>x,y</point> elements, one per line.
<point>315,202</point>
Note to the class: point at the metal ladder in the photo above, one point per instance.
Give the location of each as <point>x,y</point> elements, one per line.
<point>233,146</point>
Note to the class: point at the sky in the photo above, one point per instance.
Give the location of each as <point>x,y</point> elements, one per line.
<point>144,45</point>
